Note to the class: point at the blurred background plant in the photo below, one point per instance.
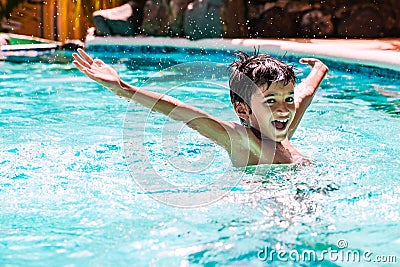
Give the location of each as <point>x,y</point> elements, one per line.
<point>61,20</point>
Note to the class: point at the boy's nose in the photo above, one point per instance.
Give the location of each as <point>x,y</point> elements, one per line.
<point>282,110</point>
<point>282,113</point>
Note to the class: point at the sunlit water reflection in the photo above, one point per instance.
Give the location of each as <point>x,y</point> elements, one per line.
<point>68,195</point>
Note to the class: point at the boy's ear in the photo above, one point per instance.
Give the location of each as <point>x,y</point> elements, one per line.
<point>242,110</point>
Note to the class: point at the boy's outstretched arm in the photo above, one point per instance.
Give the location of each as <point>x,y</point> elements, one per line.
<point>304,92</point>
<point>212,128</point>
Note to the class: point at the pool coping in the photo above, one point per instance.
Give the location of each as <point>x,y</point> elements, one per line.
<point>375,52</point>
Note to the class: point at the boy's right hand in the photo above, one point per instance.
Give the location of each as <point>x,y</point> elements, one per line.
<point>97,70</point>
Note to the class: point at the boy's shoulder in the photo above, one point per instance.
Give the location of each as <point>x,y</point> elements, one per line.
<point>239,129</point>
<point>239,135</point>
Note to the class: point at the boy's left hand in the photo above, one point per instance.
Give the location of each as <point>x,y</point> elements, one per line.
<point>312,61</point>
<point>318,71</point>
<point>304,92</point>
<point>311,83</point>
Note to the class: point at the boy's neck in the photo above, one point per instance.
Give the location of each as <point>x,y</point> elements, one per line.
<point>259,135</point>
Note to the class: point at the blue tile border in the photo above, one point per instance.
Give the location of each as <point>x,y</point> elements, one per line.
<point>355,67</point>
<point>146,49</point>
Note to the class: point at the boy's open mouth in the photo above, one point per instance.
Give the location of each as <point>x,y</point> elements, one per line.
<point>280,124</point>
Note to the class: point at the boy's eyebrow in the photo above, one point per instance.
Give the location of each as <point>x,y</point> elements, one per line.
<point>290,93</point>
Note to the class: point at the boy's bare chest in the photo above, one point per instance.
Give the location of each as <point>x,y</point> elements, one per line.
<point>257,152</point>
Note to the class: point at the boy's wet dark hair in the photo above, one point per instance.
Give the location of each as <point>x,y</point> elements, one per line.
<point>260,69</point>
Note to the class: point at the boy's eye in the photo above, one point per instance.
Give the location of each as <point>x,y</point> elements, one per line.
<point>270,101</point>
<point>289,99</point>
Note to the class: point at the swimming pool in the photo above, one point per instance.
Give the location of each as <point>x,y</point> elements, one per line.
<point>68,188</point>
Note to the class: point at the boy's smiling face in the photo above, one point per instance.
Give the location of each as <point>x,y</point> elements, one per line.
<point>273,110</point>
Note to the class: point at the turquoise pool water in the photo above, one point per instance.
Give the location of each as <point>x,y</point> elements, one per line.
<point>68,190</point>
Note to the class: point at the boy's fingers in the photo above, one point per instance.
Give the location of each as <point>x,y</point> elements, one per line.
<point>81,61</point>
<point>78,65</point>
<point>75,55</point>
<point>83,68</point>
<point>88,58</point>
<point>306,60</point>
<point>303,61</point>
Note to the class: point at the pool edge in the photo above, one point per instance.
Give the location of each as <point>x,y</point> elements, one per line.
<point>363,52</point>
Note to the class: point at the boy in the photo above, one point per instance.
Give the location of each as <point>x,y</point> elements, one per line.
<point>262,94</point>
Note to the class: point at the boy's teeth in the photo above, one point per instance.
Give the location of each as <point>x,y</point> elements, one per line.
<point>280,124</point>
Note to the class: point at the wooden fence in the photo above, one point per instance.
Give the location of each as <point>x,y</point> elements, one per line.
<point>58,20</point>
